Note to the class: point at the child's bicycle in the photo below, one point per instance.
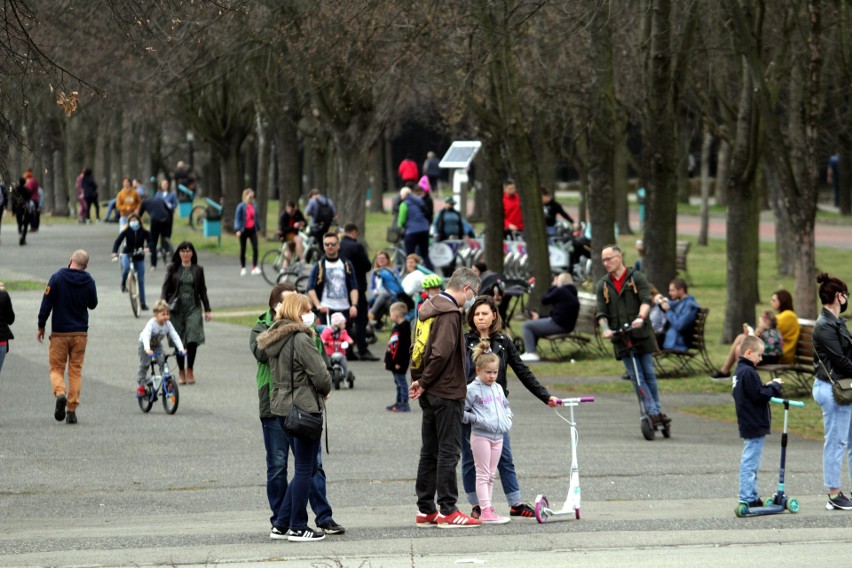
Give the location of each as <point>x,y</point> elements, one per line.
<point>159,386</point>
<point>543,512</point>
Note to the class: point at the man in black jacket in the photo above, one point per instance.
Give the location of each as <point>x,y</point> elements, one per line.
<point>69,295</point>
<point>355,252</point>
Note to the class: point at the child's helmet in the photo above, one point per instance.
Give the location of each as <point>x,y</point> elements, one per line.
<point>433,281</point>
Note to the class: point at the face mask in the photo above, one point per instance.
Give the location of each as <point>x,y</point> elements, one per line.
<point>275,307</point>
<point>843,306</point>
<point>134,225</point>
<point>469,303</point>
<point>308,319</point>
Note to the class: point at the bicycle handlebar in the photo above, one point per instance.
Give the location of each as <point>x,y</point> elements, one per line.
<point>777,400</point>
<point>563,401</point>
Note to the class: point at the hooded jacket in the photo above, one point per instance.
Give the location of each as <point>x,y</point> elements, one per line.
<point>69,295</point>
<point>264,375</point>
<point>751,397</point>
<point>681,319</point>
<point>443,374</point>
<point>487,410</point>
<point>309,374</point>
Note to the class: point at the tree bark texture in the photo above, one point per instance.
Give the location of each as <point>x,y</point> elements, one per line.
<point>706,182</point>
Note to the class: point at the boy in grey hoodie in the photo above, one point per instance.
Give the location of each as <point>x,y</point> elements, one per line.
<point>487,410</point>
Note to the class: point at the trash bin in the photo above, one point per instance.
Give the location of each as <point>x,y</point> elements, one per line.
<point>185,197</point>
<point>213,220</point>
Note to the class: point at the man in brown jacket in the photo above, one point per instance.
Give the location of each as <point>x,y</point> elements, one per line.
<point>440,385</point>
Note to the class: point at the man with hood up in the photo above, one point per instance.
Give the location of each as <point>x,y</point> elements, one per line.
<point>69,296</point>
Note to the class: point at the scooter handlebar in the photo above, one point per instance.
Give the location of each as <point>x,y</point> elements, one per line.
<point>777,400</point>
<point>564,401</point>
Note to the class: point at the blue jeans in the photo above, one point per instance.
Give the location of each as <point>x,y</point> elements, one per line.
<point>110,209</point>
<point>294,512</point>
<point>541,327</point>
<point>645,363</point>
<point>749,466</point>
<point>4,348</point>
<point>140,274</point>
<point>278,445</point>
<point>401,387</point>
<point>837,422</point>
<point>506,467</point>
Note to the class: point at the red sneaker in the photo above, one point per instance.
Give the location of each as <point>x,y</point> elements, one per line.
<point>522,510</point>
<point>426,520</point>
<point>457,520</point>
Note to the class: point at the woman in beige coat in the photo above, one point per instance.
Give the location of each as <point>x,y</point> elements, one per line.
<point>299,376</point>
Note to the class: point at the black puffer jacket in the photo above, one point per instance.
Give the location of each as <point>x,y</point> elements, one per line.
<point>833,346</point>
<point>503,347</point>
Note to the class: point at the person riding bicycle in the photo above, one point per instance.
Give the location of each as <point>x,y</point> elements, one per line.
<point>321,209</point>
<point>137,242</point>
<point>151,342</point>
<point>290,222</point>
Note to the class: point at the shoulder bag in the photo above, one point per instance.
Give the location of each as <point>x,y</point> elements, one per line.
<point>840,388</point>
<point>299,422</point>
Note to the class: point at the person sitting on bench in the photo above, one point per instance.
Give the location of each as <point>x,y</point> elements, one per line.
<point>681,310</point>
<point>563,316</point>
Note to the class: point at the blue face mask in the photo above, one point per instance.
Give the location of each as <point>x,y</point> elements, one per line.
<point>134,225</point>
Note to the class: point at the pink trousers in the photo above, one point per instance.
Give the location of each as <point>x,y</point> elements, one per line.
<point>486,455</point>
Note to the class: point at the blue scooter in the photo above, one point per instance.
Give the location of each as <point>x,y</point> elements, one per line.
<point>780,502</point>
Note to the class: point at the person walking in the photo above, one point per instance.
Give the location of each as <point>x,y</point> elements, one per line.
<point>299,377</point>
<point>246,226</point>
<point>161,217</point>
<point>90,195</point>
<point>22,207</point>
<point>332,285</point>
<point>413,218</point>
<point>7,318</point>
<point>70,294</point>
<point>833,360</point>
<point>127,201</point>
<point>354,251</point>
<point>440,386</point>
<point>185,289</point>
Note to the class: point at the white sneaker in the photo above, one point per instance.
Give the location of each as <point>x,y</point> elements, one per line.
<point>243,272</point>
<point>530,358</point>
<point>255,271</point>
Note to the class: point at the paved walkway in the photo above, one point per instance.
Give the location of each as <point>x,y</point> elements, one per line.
<point>126,488</point>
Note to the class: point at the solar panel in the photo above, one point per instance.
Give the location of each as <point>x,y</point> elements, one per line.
<point>460,154</point>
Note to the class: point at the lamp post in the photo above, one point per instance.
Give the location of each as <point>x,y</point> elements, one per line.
<point>190,138</point>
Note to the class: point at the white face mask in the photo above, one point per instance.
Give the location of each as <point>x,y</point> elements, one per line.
<point>134,225</point>
<point>308,319</point>
<point>469,303</point>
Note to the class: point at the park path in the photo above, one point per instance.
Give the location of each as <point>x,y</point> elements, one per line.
<point>125,488</point>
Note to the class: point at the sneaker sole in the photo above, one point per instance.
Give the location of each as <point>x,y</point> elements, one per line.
<point>274,536</point>
<point>333,531</point>
<point>457,526</point>
<point>59,412</point>
<point>306,539</point>
<point>501,521</point>
<point>834,507</point>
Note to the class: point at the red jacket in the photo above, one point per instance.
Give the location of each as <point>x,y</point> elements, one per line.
<point>32,185</point>
<point>408,170</point>
<point>512,211</point>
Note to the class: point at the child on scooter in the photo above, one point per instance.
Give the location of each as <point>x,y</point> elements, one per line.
<point>751,397</point>
<point>487,410</point>
<point>398,357</point>
<point>337,340</point>
<point>151,342</point>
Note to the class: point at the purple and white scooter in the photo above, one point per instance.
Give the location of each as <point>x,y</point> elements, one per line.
<point>543,512</point>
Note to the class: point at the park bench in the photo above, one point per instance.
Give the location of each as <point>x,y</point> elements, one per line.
<point>585,336</point>
<point>695,359</point>
<point>798,375</point>
<point>680,258</point>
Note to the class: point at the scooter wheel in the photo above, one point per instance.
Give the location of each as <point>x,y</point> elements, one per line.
<point>577,514</point>
<point>793,505</point>
<point>647,427</point>
<point>741,510</point>
<point>541,506</point>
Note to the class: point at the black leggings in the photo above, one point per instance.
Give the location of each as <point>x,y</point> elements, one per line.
<point>93,202</point>
<point>245,235</point>
<point>191,350</point>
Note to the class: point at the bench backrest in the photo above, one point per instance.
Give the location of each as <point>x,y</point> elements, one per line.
<point>805,345</point>
<point>680,258</point>
<point>586,317</point>
<point>696,340</point>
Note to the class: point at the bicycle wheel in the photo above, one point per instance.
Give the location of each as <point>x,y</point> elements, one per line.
<point>133,292</point>
<point>171,395</point>
<point>166,251</point>
<point>270,266</point>
<point>147,401</point>
<point>197,217</point>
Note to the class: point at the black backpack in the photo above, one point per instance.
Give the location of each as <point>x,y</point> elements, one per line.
<point>325,214</point>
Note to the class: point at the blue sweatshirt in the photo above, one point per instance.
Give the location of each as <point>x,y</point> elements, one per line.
<point>69,295</point>
<point>487,410</point>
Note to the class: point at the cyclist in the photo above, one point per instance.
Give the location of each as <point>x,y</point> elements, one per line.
<point>137,242</point>
<point>321,209</point>
<point>151,342</point>
<point>290,222</point>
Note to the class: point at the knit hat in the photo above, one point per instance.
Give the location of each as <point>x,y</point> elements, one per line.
<point>338,319</point>
<point>424,183</point>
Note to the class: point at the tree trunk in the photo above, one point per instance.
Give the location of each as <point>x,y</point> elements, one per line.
<point>723,163</point>
<point>492,192</point>
<point>660,152</point>
<point>262,187</point>
<point>785,247</point>
<point>743,220</point>
<point>376,184</point>
<point>288,161</point>
<point>620,183</point>
<point>706,143</point>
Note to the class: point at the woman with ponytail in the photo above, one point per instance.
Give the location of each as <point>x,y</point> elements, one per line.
<point>484,322</point>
